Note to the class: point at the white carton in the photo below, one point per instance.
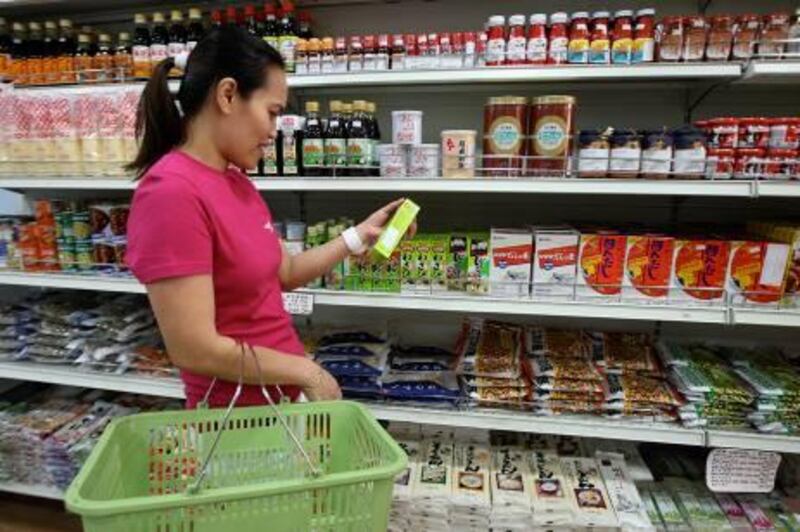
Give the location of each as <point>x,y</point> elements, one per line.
<point>555,262</point>
<point>510,267</point>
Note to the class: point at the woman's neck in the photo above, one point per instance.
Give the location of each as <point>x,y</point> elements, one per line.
<point>200,145</point>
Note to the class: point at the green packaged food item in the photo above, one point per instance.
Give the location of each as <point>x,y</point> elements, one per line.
<point>438,259</point>
<point>408,266</point>
<point>671,515</point>
<point>458,265</point>
<point>396,228</point>
<point>479,264</point>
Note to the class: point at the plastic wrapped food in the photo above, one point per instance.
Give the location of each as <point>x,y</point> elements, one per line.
<point>557,343</point>
<point>565,368</point>
<point>639,390</point>
<point>490,349</point>
<point>629,352</point>
<point>422,386</point>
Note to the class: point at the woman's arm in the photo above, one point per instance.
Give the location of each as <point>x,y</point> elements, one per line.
<point>184,309</point>
<point>301,269</point>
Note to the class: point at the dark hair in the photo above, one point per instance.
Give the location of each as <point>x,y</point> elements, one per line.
<point>226,52</point>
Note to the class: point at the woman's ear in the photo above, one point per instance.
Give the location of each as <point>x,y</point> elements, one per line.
<point>225,93</point>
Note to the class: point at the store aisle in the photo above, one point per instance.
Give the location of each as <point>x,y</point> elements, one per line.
<point>25,514</point>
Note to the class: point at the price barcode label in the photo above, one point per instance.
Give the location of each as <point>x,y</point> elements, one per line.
<point>298,304</point>
<point>741,471</point>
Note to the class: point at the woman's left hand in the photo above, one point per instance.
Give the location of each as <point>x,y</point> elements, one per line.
<point>370,229</point>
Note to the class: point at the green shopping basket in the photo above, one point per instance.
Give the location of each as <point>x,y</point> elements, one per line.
<point>198,471</point>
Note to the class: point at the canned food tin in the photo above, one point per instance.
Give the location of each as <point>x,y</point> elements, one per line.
<point>505,126</point>
<point>552,124</point>
<point>424,160</point>
<point>393,160</point>
<point>407,127</point>
<point>754,132</point>
<point>781,164</point>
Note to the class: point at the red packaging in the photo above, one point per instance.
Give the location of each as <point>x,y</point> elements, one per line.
<point>422,45</point>
<point>754,132</point>
<point>434,46</point>
<point>648,267</point>
<point>700,270</point>
<point>517,41</point>
<point>720,38</point>
<point>694,39</point>
<point>601,265</point>
<point>670,42</point>
<point>723,132</point>
<point>536,50</point>
<point>781,164</point>
<point>721,162</point>
<point>746,34</point>
<point>496,43</point>
<point>784,133</point>
<point>457,42</point>
<point>749,163</point>
<point>481,45</point>
<point>558,47</point>
<point>411,44</point>
<point>757,272</point>
<point>772,43</point>
<point>579,38</point>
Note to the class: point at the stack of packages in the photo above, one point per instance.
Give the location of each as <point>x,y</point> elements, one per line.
<point>511,490</point>
<point>64,326</point>
<point>422,374</point>
<point>16,325</point>
<point>492,365</point>
<point>564,376</point>
<point>432,490</point>
<point>402,502</point>
<point>774,379</point>
<point>356,359</point>
<point>715,396</point>
<point>471,502</point>
<point>636,386</point>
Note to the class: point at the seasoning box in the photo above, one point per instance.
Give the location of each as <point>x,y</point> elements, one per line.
<point>393,232</point>
<point>555,262</point>
<point>459,262</point>
<point>757,272</point>
<point>648,268</point>
<point>510,268</point>
<point>386,274</point>
<point>421,258</point>
<point>438,259</point>
<point>478,267</point>
<point>601,267</point>
<point>549,491</point>
<point>409,274</point>
<point>589,497</point>
<point>699,271</point>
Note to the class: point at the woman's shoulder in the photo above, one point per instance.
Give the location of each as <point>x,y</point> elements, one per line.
<point>169,175</point>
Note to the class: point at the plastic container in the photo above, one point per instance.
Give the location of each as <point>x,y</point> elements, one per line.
<point>720,38</point>
<point>723,132</point>
<point>407,127</point>
<point>458,153</point>
<point>720,163</point>
<point>393,159</point>
<point>424,161</point>
<point>138,473</point>
<point>626,153</point>
<point>749,163</point>
<point>657,153</point>
<point>593,153</point>
<point>690,153</point>
<point>558,47</point>
<point>517,41</point>
<point>781,164</point>
<point>496,44</point>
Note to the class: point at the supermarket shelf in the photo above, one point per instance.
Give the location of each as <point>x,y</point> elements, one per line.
<point>769,317</point>
<point>72,282</point>
<point>526,422</point>
<point>766,72</point>
<point>778,189</point>
<point>742,189</point>
<point>753,440</point>
<point>43,492</point>
<point>652,72</point>
<point>71,376</point>
<point>520,307</point>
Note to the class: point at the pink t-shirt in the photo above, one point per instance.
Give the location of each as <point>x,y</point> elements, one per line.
<point>190,219</point>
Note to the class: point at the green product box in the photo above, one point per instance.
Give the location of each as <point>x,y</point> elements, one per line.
<point>458,264</point>
<point>479,263</point>
<point>387,274</point>
<point>408,266</point>
<point>422,259</point>
<point>438,260</point>
<point>393,232</point>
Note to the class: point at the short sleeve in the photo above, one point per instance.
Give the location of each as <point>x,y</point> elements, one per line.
<point>169,231</point>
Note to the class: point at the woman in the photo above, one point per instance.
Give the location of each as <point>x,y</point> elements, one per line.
<point>200,236</point>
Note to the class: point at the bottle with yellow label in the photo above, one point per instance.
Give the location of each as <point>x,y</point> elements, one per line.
<point>142,66</point>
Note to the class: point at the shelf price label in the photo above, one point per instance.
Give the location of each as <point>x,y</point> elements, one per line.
<point>741,471</point>
<point>298,304</point>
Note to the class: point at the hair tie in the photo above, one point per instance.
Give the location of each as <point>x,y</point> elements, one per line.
<point>181,59</point>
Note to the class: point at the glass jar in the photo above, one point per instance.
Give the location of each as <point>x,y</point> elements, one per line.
<point>746,34</point>
<point>657,147</point>
<point>505,126</point>
<point>644,36</point>
<point>670,45</point>
<point>536,53</point>
<point>720,38</point>
<point>776,30</point>
<point>579,38</point>
<point>593,153</point>
<point>695,38</point>
<point>600,41</point>
<point>517,41</point>
<point>690,153</point>
<point>626,154</point>
<point>552,127</point>
<point>558,46</point>
<point>622,45</point>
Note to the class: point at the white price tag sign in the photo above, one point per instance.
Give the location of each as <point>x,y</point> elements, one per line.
<point>741,471</point>
<point>298,304</point>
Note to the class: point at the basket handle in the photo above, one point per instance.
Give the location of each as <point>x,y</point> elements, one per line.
<point>312,468</point>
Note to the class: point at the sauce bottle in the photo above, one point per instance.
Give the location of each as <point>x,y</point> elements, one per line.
<point>250,22</point>
<point>335,141</point>
<point>313,142</point>
<point>35,60</point>
<point>644,37</point>
<point>374,133</point>
<point>123,58</point>
<point>159,40</point>
<point>340,57</point>
<point>83,59</point>
<point>270,25</point>
<point>536,53</point>
<point>496,45</point>
<point>355,59</point>
<point>103,60</point>
<point>304,25</point>
<point>622,46</point>
<point>579,38</point>
<point>516,48</point>
<point>314,57</point>
<point>301,57</point>
<point>382,56</point>
<point>287,39</point>
<point>359,145</point>
<point>142,66</point>
<point>177,38</point>
<point>600,43</point>
<point>558,48</point>
<point>327,61</point>
<point>398,57</point>
<point>51,52</point>
<point>196,30</point>
<point>231,16</point>
<point>217,19</point>
<point>19,63</point>
<point>793,46</point>
<point>370,50</point>
<point>67,45</point>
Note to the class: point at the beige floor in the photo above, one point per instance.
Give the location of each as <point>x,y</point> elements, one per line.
<point>23,514</point>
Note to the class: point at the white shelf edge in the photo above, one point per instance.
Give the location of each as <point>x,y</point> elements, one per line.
<point>67,183</point>
<point>779,189</point>
<point>42,492</point>
<point>753,440</point>
<point>784,71</point>
<point>766,317</point>
<point>71,376</point>
<point>72,282</point>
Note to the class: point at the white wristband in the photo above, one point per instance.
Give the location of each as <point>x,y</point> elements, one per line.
<point>353,241</point>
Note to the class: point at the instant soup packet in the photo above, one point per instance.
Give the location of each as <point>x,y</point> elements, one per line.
<point>549,490</point>
<point>471,483</point>
<point>590,501</point>
<point>628,504</point>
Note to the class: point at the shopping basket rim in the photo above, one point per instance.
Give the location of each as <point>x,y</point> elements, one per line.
<point>76,503</point>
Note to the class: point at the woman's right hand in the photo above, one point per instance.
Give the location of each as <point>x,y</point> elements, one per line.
<point>321,386</point>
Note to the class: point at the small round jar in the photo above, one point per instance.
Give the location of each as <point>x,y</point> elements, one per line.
<point>593,153</point>
<point>424,161</point>
<point>505,126</point>
<point>690,153</point>
<point>407,127</point>
<point>626,154</point>
<point>657,153</point>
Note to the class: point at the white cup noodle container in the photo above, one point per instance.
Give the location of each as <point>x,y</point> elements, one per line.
<point>393,159</point>
<point>424,161</point>
<point>407,127</point>
<point>458,153</point>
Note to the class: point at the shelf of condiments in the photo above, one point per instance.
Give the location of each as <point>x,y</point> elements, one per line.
<point>553,372</point>
<point>755,267</point>
<point>45,53</point>
<point>472,479</point>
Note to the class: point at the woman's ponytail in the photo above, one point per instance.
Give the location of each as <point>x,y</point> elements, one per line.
<point>159,126</point>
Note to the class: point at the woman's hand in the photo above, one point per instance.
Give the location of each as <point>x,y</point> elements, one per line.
<point>370,229</point>
<point>321,386</point>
